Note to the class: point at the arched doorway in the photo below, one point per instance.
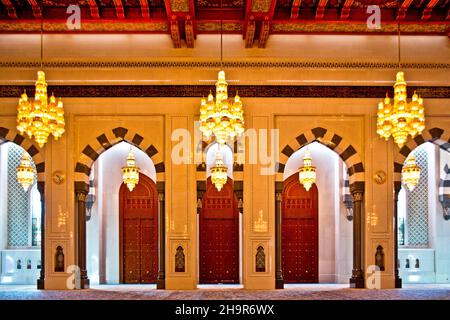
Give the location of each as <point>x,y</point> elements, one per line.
<point>138,223</point>
<point>299,232</point>
<point>219,235</point>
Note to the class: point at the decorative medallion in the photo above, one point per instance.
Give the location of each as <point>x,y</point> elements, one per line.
<point>58,177</point>
<point>379,177</point>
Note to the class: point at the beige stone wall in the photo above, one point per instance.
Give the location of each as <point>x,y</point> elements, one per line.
<point>156,119</point>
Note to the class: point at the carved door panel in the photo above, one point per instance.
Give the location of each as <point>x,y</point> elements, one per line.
<point>299,233</point>
<point>139,232</point>
<point>219,235</point>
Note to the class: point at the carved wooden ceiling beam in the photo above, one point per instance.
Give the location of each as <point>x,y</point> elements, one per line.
<point>345,12</point>
<point>320,11</point>
<point>120,12</point>
<point>93,8</point>
<point>145,9</point>
<point>295,9</point>
<point>427,11</point>
<point>10,8</point>
<point>403,9</point>
<point>37,12</point>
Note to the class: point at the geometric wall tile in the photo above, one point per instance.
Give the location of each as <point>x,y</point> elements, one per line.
<point>418,203</point>
<point>18,200</point>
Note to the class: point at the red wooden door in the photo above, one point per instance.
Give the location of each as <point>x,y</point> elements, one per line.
<point>299,232</point>
<point>219,235</point>
<point>139,232</point>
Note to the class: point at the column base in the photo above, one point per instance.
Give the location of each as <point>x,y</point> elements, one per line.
<point>40,284</point>
<point>279,284</point>
<point>357,283</point>
<point>160,284</point>
<point>84,283</point>
<point>398,282</point>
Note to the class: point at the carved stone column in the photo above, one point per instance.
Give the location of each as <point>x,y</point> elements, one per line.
<point>279,281</point>
<point>41,280</point>
<point>161,281</point>
<point>81,194</point>
<point>357,279</point>
<point>398,280</point>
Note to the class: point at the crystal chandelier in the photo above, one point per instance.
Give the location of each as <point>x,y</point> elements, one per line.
<point>221,117</point>
<point>42,117</point>
<point>401,118</point>
<point>25,172</point>
<point>130,173</point>
<point>219,172</point>
<point>411,173</point>
<point>307,173</point>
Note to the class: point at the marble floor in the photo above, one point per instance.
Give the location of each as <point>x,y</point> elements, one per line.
<point>225,292</point>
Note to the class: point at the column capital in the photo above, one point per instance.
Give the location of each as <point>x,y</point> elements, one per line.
<point>81,196</point>
<point>278,196</point>
<point>357,187</point>
<point>358,195</point>
<point>81,187</point>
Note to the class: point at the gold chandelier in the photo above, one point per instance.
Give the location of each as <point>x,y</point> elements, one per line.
<point>42,117</point>
<point>221,117</point>
<point>307,173</point>
<point>219,172</point>
<point>401,118</point>
<point>411,173</point>
<point>130,173</point>
<point>25,172</point>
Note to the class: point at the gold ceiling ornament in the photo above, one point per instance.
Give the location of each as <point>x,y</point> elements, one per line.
<point>307,173</point>
<point>130,173</point>
<point>25,172</point>
<point>220,117</point>
<point>400,119</point>
<point>219,172</point>
<point>411,173</point>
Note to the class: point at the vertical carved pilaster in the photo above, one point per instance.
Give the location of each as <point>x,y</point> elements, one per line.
<point>41,280</point>
<point>398,280</point>
<point>357,279</point>
<point>161,281</point>
<point>279,283</point>
<point>81,201</point>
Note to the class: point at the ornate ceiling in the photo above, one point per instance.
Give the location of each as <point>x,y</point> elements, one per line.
<point>256,20</point>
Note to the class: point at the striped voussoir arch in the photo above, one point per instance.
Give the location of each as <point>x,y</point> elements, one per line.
<point>238,154</point>
<point>10,135</point>
<point>435,135</point>
<point>335,142</point>
<point>103,142</point>
<point>444,191</point>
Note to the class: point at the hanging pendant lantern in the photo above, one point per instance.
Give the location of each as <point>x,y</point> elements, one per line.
<point>219,172</point>
<point>130,173</point>
<point>411,173</point>
<point>307,173</point>
<point>25,172</point>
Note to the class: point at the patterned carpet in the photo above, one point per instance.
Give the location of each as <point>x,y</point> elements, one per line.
<point>311,292</point>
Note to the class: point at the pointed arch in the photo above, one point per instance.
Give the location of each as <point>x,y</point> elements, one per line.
<point>436,135</point>
<point>12,135</point>
<point>333,141</point>
<point>105,141</point>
